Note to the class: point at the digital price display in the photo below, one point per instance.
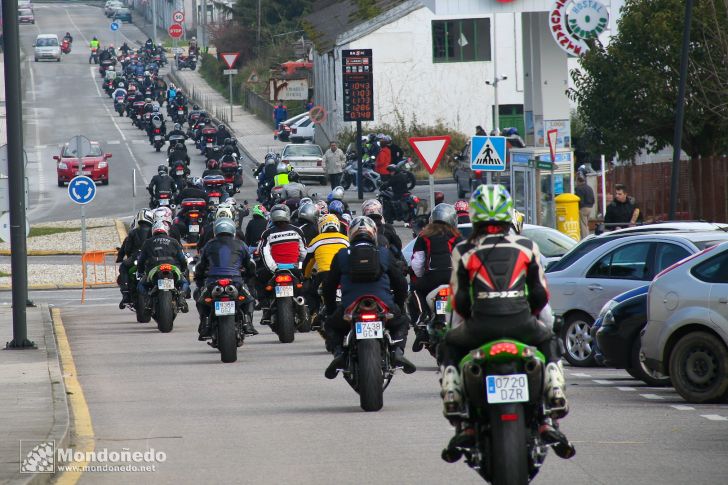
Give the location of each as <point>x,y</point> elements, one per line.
<point>358,83</point>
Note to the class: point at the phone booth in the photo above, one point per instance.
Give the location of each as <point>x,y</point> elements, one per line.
<point>535,182</point>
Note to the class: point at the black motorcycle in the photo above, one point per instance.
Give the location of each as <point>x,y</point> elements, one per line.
<point>405,209</point>
<point>431,325</point>
<point>163,198</point>
<point>191,216</point>
<point>232,309</point>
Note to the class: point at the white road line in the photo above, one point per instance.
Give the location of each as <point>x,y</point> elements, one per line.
<point>626,389</point>
<point>682,407</point>
<point>653,397</point>
<point>579,374</point>
<point>85,40</point>
<point>714,417</point>
<point>38,155</point>
<point>113,142</point>
<point>139,142</point>
<point>602,381</point>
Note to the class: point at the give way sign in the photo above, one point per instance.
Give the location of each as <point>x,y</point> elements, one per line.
<point>230,58</point>
<point>430,150</point>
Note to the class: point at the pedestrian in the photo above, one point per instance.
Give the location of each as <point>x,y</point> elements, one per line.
<point>335,161</point>
<point>309,105</point>
<point>586,202</point>
<point>479,131</point>
<point>280,114</point>
<point>623,211</point>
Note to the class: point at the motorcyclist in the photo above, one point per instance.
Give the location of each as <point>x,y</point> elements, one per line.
<point>160,248</point>
<point>156,116</point>
<point>127,253</point>
<point>176,131</point>
<point>166,215</point>
<point>207,231</point>
<point>294,189</point>
<point>384,157</point>
<point>161,182</point>
<point>281,177</point>
<point>223,257</point>
<point>213,168</point>
<point>336,207</point>
<point>149,45</point>
<point>104,55</point>
<point>462,208</point>
<point>497,286</point>
<point>221,135</point>
<point>93,45</point>
<point>282,243</point>
<point>357,272</point>
<point>308,215</point>
<point>256,225</point>
<point>193,190</point>
<point>397,181</point>
<point>124,48</point>
<point>321,252</point>
<point>232,145</point>
<point>171,93</point>
<point>120,91</point>
<point>179,153</point>
<point>386,234</point>
<point>69,38</point>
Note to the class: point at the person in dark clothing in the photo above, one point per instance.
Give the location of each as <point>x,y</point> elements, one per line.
<point>128,252</point>
<point>194,190</point>
<point>221,135</point>
<point>207,232</point>
<point>397,182</point>
<point>223,257</point>
<point>160,248</point>
<point>213,168</point>
<point>586,202</point>
<point>160,183</point>
<point>256,225</point>
<point>623,211</point>
<point>179,153</point>
<point>307,221</point>
<point>479,131</point>
<point>388,285</point>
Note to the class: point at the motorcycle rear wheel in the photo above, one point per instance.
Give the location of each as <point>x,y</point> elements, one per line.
<point>143,314</point>
<point>285,324</point>
<point>227,341</point>
<point>508,450</point>
<point>164,313</point>
<point>370,378</point>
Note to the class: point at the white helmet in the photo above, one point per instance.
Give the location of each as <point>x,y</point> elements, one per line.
<point>146,216</point>
<point>224,210</point>
<point>160,228</point>
<point>162,214</point>
<point>372,207</point>
<point>363,228</point>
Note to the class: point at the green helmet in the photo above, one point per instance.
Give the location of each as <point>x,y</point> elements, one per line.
<point>491,203</point>
<point>260,211</point>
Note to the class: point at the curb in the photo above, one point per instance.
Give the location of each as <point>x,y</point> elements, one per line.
<point>59,286</point>
<point>121,230</point>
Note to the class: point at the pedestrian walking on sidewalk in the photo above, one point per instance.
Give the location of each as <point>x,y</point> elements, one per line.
<point>309,105</point>
<point>586,202</point>
<point>280,114</point>
<point>335,160</point>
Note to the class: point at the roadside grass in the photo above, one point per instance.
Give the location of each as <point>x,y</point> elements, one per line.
<point>3,274</point>
<point>49,231</point>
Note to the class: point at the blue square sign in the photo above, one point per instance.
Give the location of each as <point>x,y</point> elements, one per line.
<point>488,153</point>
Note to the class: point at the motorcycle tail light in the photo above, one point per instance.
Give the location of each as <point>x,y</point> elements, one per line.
<point>224,298</point>
<point>224,282</point>
<point>164,196</point>
<point>194,215</point>
<point>269,288</point>
<point>299,285</point>
<point>504,348</point>
<point>165,267</point>
<point>416,200</point>
<point>156,131</point>
<point>509,417</point>
<point>444,292</point>
<point>284,278</point>
<point>368,316</point>
<point>241,298</point>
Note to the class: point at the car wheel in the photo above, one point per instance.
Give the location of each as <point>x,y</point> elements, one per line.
<point>640,371</point>
<point>576,336</point>
<point>699,368</point>
<point>60,183</point>
<point>36,59</point>
<point>105,182</point>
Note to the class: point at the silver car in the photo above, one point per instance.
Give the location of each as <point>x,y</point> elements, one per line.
<point>687,326</point>
<point>46,46</point>
<point>306,159</point>
<point>580,286</point>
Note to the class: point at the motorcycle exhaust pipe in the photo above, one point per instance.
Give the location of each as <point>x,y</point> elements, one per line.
<point>300,301</point>
<point>473,383</point>
<point>534,371</point>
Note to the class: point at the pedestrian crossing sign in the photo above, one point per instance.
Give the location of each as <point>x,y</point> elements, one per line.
<point>488,153</point>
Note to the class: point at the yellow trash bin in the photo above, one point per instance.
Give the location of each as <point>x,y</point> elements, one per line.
<point>567,215</point>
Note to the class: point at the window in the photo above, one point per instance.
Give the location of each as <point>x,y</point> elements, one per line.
<point>668,254</point>
<point>576,253</point>
<point>302,151</point>
<point>625,263</point>
<point>461,40</point>
<point>713,270</point>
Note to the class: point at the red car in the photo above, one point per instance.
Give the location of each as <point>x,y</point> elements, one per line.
<point>95,164</point>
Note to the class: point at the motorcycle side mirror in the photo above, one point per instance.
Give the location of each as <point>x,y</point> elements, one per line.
<point>107,155</point>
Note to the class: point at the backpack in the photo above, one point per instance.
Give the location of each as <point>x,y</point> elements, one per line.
<point>364,264</point>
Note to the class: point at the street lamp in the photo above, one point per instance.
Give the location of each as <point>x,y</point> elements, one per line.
<point>496,114</point>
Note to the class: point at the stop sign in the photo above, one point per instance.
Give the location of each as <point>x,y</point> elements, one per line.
<point>175,31</point>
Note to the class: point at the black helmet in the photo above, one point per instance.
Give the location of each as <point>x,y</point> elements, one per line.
<point>228,150</point>
<point>220,126</point>
<point>292,176</point>
<point>162,169</point>
<point>177,126</point>
<point>227,141</point>
<point>195,107</point>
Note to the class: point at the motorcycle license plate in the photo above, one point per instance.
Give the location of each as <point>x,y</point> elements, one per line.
<point>180,172</point>
<point>506,389</point>
<point>165,284</point>
<point>284,291</point>
<point>163,201</point>
<point>224,308</point>
<point>366,330</point>
<point>157,138</point>
<point>215,200</point>
<point>194,228</point>
<point>440,306</point>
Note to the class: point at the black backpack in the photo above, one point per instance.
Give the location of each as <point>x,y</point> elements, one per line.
<point>364,264</point>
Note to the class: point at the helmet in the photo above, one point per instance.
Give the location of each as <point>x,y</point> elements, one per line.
<point>177,126</point>
<point>147,100</point>
<point>280,213</point>
<point>260,211</point>
<point>162,169</point>
<point>439,197</point>
<point>228,150</point>
<point>346,218</point>
<point>160,228</point>
<point>372,207</point>
<point>328,221</point>
<point>224,210</point>
<point>322,207</point>
<point>282,168</point>
<point>308,212</point>
<point>371,137</point>
<point>338,193</point>
<point>518,218</point>
<point>162,214</point>
<point>224,225</point>
<point>232,202</point>
<point>461,207</point>
<point>336,207</point>
<point>212,164</point>
<point>195,107</point>
<point>491,204</point>
<point>121,84</point>
<point>221,126</point>
<point>444,213</point>
<point>146,73</point>
<point>95,38</point>
<point>155,108</point>
<point>144,216</point>
<point>197,182</point>
<point>363,228</point>
<point>227,141</point>
<point>293,176</point>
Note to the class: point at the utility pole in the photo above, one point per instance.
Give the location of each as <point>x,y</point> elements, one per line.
<point>16,176</point>
<point>204,26</point>
<point>154,21</point>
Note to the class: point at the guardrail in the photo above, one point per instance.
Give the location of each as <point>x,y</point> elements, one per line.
<point>103,270</point>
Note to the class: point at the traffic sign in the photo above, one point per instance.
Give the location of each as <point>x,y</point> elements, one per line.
<point>229,72</point>
<point>178,17</point>
<point>81,189</point>
<point>175,31</point>
<point>230,58</point>
<point>488,153</point>
<point>430,149</point>
<point>115,25</point>
<point>318,114</point>
<point>5,227</point>
<point>551,136</point>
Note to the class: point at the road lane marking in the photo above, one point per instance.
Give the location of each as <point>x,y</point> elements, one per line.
<point>627,389</point>
<point>83,432</point>
<point>139,142</point>
<point>113,142</point>
<point>38,156</point>
<point>653,397</point>
<point>602,381</point>
<point>714,417</point>
<point>682,407</point>
<point>579,374</point>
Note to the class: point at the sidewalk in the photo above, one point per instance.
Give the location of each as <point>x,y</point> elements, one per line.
<point>33,400</point>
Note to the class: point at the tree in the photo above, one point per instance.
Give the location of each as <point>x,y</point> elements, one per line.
<point>627,91</point>
<point>277,16</point>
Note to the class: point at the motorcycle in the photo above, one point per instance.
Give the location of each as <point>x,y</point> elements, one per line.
<point>119,105</point>
<point>173,140</point>
<point>232,308</point>
<point>368,347</point>
<point>164,295</point>
<point>157,136</point>
<point>137,300</point>
<point>214,187</point>
<point>191,215</point>
<point>137,114</point>
<point>430,327</point>
<point>406,165</point>
<point>163,199</point>
<point>288,309</point>
<point>186,62</point>
<point>233,174</point>
<point>213,152</point>
<point>207,138</point>
<point>106,64</point>
<point>178,114</point>
<point>109,87</point>
<point>372,180</point>
<point>503,392</point>
<point>94,57</point>
<point>406,209</point>
<point>179,172</point>
<point>66,46</point>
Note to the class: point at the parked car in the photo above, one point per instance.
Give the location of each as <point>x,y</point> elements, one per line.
<point>46,46</point>
<point>686,335</point>
<point>284,129</point>
<point>25,16</point>
<point>123,15</point>
<point>25,4</point>
<point>306,159</point>
<point>111,7</point>
<point>579,290</point>
<point>303,130</point>
<point>95,164</point>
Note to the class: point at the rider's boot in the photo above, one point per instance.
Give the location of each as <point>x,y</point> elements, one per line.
<point>555,389</point>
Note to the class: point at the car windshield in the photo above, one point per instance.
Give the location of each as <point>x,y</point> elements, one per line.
<point>302,151</point>
<point>92,151</point>
<point>551,243</point>
<point>46,42</point>
<point>576,253</point>
<point>24,11</point>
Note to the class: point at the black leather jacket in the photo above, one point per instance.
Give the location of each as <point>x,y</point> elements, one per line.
<point>161,249</point>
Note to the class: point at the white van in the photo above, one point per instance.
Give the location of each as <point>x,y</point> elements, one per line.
<point>47,47</point>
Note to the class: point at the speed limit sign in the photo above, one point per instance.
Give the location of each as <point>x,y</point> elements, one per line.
<point>178,17</point>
